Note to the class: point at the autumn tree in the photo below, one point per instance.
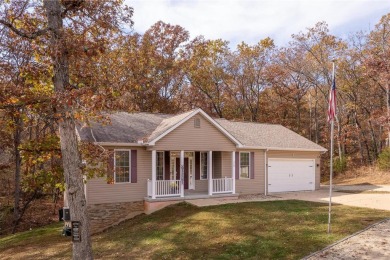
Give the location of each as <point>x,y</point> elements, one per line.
<point>22,98</point>
<point>155,67</point>
<point>378,65</point>
<point>319,49</point>
<point>291,88</point>
<point>66,31</point>
<point>249,67</point>
<point>206,71</point>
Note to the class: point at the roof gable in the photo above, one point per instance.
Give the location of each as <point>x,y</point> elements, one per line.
<point>170,124</point>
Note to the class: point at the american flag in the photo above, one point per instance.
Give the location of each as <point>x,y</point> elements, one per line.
<point>332,102</point>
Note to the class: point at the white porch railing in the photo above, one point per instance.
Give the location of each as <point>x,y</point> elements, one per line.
<point>165,188</point>
<point>223,185</point>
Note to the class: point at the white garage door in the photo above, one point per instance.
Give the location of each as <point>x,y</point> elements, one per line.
<point>291,175</point>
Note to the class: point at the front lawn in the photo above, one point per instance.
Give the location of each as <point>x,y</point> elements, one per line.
<point>267,230</point>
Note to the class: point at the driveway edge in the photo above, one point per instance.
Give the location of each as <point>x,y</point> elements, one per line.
<point>344,239</point>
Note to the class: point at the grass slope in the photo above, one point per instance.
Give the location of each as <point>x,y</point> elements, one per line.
<point>270,230</point>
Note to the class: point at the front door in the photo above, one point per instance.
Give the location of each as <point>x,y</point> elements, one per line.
<point>188,172</point>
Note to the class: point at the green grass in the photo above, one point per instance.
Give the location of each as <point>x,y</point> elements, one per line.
<point>266,230</point>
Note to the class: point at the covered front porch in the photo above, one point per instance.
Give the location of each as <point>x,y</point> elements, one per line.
<point>191,174</point>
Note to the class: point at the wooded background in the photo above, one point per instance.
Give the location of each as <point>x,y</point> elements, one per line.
<point>164,70</point>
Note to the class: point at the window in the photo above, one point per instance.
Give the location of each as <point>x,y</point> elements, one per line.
<point>122,166</point>
<point>244,165</point>
<point>203,165</point>
<point>160,166</point>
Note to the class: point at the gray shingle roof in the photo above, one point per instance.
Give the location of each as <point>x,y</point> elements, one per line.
<point>133,127</point>
<point>267,136</point>
<point>124,128</point>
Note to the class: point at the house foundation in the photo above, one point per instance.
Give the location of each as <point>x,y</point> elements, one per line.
<point>103,216</point>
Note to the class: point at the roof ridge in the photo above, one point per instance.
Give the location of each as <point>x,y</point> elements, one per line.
<point>154,113</point>
<point>247,122</point>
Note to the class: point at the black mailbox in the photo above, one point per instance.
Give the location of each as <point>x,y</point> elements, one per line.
<point>67,231</point>
<point>66,214</point>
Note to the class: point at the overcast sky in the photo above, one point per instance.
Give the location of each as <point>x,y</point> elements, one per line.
<point>252,20</point>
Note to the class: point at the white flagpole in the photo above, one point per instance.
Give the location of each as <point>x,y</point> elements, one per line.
<point>331,161</point>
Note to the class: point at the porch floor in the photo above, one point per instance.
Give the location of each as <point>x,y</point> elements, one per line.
<point>194,195</point>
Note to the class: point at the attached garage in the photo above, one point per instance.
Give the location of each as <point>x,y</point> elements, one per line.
<point>285,174</point>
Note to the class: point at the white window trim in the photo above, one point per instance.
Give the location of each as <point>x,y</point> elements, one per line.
<point>201,166</point>
<point>249,166</point>
<point>122,150</point>
<point>162,163</point>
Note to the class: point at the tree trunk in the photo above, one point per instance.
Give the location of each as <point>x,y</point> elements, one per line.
<point>388,113</point>
<point>69,146</point>
<point>316,130</point>
<point>298,102</point>
<point>373,139</point>
<point>364,139</point>
<point>18,161</point>
<point>23,209</point>
<point>310,119</point>
<point>339,138</point>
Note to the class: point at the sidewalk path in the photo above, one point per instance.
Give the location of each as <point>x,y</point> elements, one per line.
<point>220,201</point>
<point>363,188</point>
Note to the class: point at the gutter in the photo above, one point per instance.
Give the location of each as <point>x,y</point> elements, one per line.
<point>284,149</point>
<point>119,144</point>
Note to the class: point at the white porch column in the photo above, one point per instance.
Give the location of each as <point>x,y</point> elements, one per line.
<point>234,172</point>
<point>181,173</point>
<point>210,171</point>
<point>154,174</point>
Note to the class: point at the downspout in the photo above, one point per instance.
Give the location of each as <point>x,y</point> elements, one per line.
<point>265,173</point>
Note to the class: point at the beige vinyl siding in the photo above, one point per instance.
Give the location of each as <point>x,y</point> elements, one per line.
<point>300,155</point>
<point>226,164</point>
<point>98,191</point>
<point>187,137</point>
<point>246,186</point>
<point>217,169</point>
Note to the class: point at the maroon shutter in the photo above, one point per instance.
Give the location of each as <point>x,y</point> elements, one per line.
<point>186,173</point>
<point>237,165</point>
<point>167,166</point>
<point>110,167</point>
<point>177,168</point>
<point>252,166</point>
<point>197,165</point>
<point>133,166</point>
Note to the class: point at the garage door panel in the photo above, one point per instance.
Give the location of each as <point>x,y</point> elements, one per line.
<point>291,175</point>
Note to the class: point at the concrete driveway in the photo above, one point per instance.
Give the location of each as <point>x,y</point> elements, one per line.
<point>366,196</point>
